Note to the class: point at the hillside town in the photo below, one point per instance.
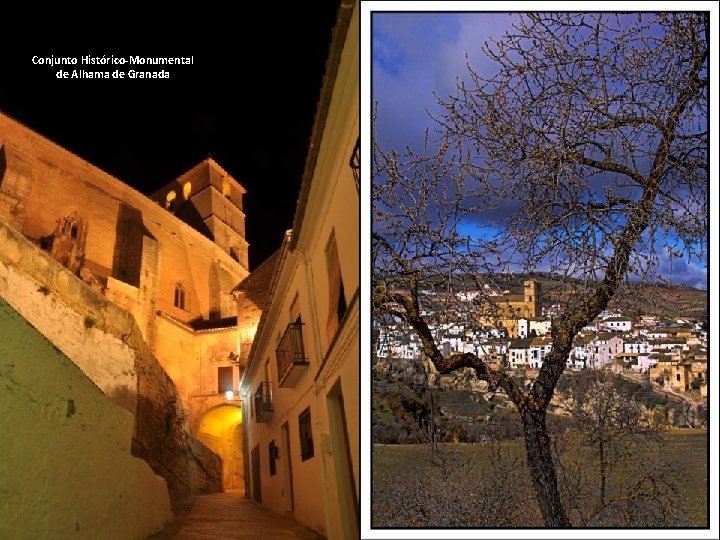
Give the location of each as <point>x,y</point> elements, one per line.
<point>669,352</point>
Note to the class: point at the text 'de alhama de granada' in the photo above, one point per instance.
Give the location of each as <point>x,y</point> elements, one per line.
<point>111,66</point>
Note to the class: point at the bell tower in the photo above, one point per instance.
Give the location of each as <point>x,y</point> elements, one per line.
<point>532,294</point>
<point>211,201</point>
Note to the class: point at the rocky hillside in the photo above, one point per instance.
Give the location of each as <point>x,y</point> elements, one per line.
<point>409,397</point>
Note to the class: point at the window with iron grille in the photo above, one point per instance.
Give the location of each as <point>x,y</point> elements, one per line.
<point>272,456</point>
<point>306,439</point>
<point>290,351</point>
<point>355,164</point>
<point>263,402</point>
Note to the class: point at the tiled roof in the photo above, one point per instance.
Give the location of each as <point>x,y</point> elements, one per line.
<point>256,285</point>
<point>521,343</point>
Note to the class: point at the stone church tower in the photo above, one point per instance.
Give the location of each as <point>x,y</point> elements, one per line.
<point>532,297</point>
<point>210,200</point>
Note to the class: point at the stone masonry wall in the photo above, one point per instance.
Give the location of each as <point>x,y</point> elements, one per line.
<point>106,344</point>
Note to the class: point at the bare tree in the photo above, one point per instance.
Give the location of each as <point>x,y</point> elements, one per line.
<point>584,155</point>
<point>611,423</point>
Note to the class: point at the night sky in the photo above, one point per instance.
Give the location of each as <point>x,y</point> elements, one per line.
<point>247,106</point>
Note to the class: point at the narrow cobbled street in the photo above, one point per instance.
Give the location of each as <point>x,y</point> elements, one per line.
<point>231,516</point>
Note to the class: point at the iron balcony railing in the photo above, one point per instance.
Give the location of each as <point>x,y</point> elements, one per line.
<point>290,356</point>
<point>263,402</point>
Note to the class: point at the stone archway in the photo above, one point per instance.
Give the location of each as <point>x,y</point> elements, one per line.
<point>220,429</point>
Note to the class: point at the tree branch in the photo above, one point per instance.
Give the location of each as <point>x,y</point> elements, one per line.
<point>411,314</point>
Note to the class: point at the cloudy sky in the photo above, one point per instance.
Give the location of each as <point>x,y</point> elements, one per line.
<point>415,55</point>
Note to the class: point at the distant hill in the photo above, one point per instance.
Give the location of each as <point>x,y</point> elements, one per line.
<point>639,299</point>
<point>633,299</point>
<point>674,301</point>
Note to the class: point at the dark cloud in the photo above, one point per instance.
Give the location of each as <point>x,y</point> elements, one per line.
<point>418,54</point>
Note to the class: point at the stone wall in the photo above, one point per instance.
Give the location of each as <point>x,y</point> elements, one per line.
<point>66,464</point>
<point>105,342</point>
<point>84,325</point>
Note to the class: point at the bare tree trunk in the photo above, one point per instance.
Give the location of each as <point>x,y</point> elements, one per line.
<point>433,436</point>
<point>602,473</point>
<point>542,469</point>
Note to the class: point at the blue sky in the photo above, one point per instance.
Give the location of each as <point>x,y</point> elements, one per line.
<point>416,54</point>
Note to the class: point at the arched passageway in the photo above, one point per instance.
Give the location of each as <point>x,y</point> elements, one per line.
<point>220,430</point>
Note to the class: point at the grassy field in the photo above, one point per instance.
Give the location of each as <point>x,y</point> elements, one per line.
<point>690,449</point>
<point>487,485</point>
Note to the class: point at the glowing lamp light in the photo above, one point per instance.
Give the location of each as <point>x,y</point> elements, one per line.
<point>229,395</point>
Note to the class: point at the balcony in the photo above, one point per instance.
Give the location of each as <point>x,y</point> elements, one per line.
<point>263,403</point>
<point>290,355</point>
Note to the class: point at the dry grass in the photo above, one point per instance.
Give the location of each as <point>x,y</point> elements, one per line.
<point>487,485</point>
<point>689,448</point>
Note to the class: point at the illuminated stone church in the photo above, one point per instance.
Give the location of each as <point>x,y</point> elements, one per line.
<point>171,260</point>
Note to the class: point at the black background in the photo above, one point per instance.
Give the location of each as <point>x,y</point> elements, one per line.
<point>248,100</point>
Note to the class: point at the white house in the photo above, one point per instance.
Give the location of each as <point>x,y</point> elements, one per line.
<point>541,326</point>
<point>539,348</point>
<point>657,333</point>
<point>603,349</point>
<point>519,353</point>
<point>636,346</point>
<point>618,324</point>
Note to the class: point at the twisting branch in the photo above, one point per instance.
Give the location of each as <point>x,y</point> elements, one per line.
<point>581,156</point>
